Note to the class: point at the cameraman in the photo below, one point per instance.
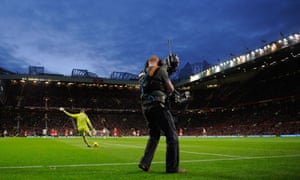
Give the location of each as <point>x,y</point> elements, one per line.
<point>155,88</point>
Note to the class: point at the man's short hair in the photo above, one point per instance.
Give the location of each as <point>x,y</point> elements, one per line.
<point>153,59</point>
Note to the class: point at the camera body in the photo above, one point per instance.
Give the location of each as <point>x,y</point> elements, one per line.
<point>171,62</point>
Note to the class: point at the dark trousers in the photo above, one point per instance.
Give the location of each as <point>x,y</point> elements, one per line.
<point>160,118</point>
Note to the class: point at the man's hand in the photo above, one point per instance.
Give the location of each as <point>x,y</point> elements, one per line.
<point>181,97</point>
<point>61,109</point>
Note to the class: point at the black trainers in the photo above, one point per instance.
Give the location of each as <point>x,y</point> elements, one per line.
<point>144,168</point>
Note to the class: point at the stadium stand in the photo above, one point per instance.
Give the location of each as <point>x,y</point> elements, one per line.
<point>253,94</point>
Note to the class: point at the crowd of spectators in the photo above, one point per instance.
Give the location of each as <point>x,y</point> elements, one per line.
<point>33,106</point>
<point>266,118</point>
<point>32,122</point>
<point>40,94</point>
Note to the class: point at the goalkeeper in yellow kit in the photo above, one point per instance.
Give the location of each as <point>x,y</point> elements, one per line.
<point>83,124</point>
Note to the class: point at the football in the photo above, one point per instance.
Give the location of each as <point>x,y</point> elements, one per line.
<point>95,144</point>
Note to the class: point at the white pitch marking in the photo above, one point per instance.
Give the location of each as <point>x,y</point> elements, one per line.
<point>211,154</point>
<point>242,158</point>
<point>124,145</point>
<point>156,162</point>
<point>189,152</point>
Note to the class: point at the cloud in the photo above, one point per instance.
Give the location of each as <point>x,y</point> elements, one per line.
<point>108,36</point>
<point>60,51</point>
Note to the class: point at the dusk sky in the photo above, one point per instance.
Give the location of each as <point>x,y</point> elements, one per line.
<point>103,36</point>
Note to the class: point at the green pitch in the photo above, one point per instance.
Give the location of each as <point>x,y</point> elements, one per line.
<point>117,158</point>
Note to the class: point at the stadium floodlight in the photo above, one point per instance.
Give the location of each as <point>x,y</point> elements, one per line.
<point>273,47</point>
<point>291,37</point>
<point>217,69</point>
<point>285,42</point>
<point>297,36</point>
<point>194,77</point>
<point>231,63</point>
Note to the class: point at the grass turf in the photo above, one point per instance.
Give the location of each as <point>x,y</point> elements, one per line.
<point>117,158</point>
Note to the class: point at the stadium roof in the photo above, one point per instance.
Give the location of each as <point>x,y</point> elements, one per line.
<point>244,66</point>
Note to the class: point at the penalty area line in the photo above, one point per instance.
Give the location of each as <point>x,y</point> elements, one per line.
<point>241,158</point>
<point>156,162</point>
<point>211,154</point>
